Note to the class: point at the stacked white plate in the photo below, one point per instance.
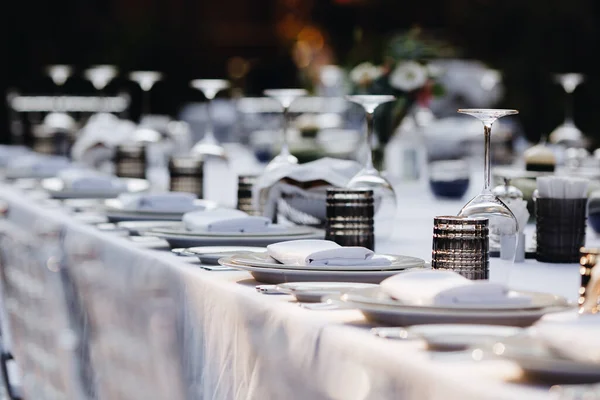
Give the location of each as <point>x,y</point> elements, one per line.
<point>180,237</point>
<point>266,269</point>
<point>57,189</point>
<point>539,362</point>
<point>116,212</point>
<point>379,307</point>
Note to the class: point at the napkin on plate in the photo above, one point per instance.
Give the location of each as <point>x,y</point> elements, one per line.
<point>443,288</point>
<point>323,253</point>
<point>571,335</point>
<point>224,220</point>
<point>89,180</point>
<point>38,164</point>
<point>174,202</point>
<point>8,152</point>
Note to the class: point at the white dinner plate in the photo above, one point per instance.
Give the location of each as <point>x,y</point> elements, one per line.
<point>456,337</point>
<point>113,208</point>
<point>80,205</point>
<point>272,230</point>
<point>540,363</point>
<point>212,254</point>
<point>397,262</point>
<point>194,239</point>
<point>312,292</point>
<point>378,307</point>
<point>56,188</point>
<point>284,275</point>
<point>137,227</point>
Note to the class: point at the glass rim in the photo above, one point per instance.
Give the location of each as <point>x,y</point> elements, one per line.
<point>461,219</point>
<point>510,111</point>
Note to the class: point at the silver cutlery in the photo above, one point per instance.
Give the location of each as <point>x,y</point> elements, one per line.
<point>216,268</point>
<point>391,333</point>
<point>268,289</point>
<point>328,305</point>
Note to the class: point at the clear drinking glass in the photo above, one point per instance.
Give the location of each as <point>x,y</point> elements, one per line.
<point>369,177</point>
<point>285,97</point>
<point>501,219</point>
<point>567,132</point>
<point>209,145</point>
<point>146,80</point>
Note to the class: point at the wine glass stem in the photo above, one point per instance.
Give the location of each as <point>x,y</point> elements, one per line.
<point>285,148</point>
<point>209,135</point>
<point>569,108</point>
<point>370,129</point>
<point>487,131</point>
<point>145,102</point>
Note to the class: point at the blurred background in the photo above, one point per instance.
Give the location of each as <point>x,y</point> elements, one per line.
<point>263,44</point>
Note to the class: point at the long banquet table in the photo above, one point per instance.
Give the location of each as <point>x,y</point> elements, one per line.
<point>153,325</point>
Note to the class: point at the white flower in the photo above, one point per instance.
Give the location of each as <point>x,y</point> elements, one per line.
<point>408,76</point>
<point>365,72</point>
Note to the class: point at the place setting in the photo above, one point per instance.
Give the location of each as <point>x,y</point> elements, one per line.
<point>79,183</point>
<point>144,210</point>
<point>320,260</point>
<point>560,348</point>
<point>229,227</point>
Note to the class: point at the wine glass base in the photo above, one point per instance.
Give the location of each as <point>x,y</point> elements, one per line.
<point>566,133</point>
<point>205,148</point>
<point>384,199</point>
<point>281,160</point>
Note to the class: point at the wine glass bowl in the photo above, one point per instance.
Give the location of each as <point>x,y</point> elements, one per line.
<point>285,97</point>
<point>369,177</point>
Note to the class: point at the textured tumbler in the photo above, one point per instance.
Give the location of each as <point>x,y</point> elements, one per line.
<point>350,217</point>
<point>560,229</point>
<point>130,161</point>
<point>186,174</point>
<point>461,244</point>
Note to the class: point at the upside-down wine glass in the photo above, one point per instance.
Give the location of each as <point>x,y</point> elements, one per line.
<point>285,97</point>
<point>146,80</point>
<point>369,177</point>
<point>567,132</point>
<point>502,221</point>
<point>209,145</point>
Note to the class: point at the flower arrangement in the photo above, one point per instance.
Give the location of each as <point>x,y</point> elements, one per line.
<point>404,71</point>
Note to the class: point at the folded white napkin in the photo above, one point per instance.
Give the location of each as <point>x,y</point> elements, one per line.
<point>572,335</point>
<point>86,180</point>
<point>436,287</point>
<point>323,253</point>
<point>8,152</point>
<point>333,172</point>
<point>224,220</point>
<point>35,163</point>
<point>175,202</point>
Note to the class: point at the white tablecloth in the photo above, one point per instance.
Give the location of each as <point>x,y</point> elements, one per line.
<point>210,335</point>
